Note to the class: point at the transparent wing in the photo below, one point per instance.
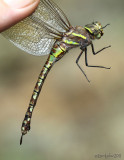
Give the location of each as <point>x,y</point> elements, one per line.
<point>37,33</point>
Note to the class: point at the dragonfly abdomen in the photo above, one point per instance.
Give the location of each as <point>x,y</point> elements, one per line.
<point>27,119</point>
<point>56,53</point>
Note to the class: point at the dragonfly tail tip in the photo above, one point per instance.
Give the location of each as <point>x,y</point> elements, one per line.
<point>21,139</point>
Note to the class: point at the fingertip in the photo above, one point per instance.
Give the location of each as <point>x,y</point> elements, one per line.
<point>11,15</point>
<point>19,4</point>
<point>21,13</point>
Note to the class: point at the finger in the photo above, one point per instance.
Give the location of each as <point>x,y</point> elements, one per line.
<point>12,11</point>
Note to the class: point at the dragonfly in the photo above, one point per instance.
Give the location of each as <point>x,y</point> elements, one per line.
<point>48,31</point>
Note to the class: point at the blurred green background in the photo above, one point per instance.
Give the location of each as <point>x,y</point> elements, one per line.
<point>73,119</point>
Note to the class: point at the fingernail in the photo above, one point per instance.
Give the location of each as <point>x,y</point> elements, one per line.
<point>19,3</point>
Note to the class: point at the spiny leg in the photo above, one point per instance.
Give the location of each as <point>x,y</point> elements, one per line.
<point>93,51</point>
<point>80,66</point>
<point>86,61</point>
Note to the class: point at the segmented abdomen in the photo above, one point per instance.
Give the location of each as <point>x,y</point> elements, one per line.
<point>27,119</point>
<point>53,57</point>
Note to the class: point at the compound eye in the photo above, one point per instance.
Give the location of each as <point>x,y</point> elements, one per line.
<point>98,36</point>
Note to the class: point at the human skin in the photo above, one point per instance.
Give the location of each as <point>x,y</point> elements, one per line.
<point>13,11</point>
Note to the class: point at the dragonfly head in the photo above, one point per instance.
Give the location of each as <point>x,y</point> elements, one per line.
<point>95,29</point>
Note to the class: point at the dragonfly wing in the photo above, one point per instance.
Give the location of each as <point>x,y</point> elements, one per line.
<point>53,15</point>
<point>37,33</point>
<point>30,37</point>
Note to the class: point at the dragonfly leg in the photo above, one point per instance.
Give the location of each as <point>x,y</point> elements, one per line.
<point>86,61</point>
<point>93,51</point>
<point>77,60</point>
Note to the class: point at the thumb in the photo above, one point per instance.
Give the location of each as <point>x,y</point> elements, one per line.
<point>13,11</point>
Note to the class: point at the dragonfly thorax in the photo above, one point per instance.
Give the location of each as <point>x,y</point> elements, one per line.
<point>77,36</point>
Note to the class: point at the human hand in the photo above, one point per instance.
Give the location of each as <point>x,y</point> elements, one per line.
<point>13,11</point>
